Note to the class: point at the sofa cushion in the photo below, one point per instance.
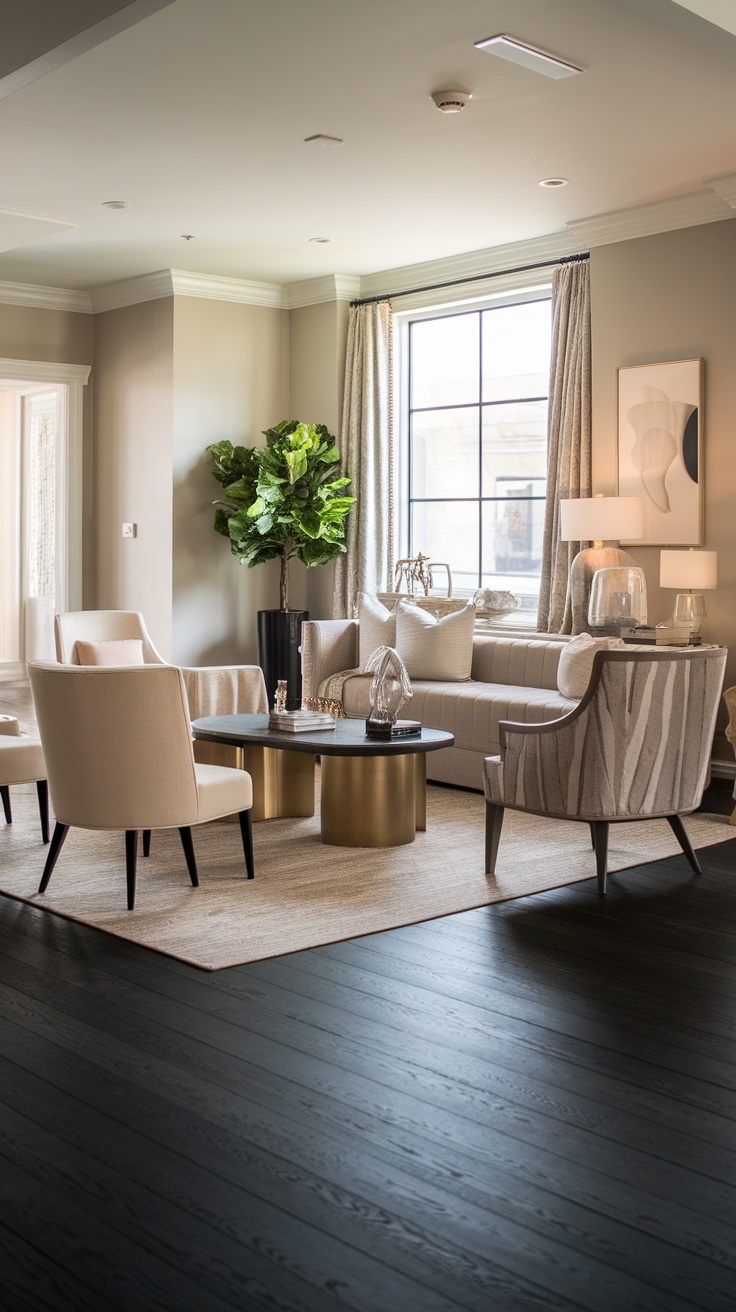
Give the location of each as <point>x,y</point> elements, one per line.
<point>435,648</point>
<point>469,710</point>
<point>377,626</point>
<point>576,662</point>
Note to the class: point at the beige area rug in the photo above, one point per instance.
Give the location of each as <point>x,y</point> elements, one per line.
<point>306,894</point>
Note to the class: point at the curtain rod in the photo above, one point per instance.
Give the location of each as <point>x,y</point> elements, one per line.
<point>475,277</point>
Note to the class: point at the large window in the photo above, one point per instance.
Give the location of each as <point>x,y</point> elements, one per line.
<point>475,454</point>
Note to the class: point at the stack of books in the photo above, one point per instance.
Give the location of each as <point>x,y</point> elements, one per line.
<point>301,721</point>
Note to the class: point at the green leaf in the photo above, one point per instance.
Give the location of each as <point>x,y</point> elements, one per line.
<point>296,462</point>
<point>256,509</point>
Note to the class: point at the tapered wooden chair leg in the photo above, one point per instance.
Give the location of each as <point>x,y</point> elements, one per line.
<point>600,843</point>
<point>131,855</point>
<point>246,833</point>
<point>42,789</point>
<point>146,842</point>
<point>186,841</point>
<point>494,822</point>
<point>5,794</point>
<point>60,833</point>
<point>680,833</point>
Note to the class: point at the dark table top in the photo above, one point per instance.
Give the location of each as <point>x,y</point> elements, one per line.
<point>348,738</point>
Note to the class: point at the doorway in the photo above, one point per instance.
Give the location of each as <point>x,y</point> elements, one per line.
<point>40,502</point>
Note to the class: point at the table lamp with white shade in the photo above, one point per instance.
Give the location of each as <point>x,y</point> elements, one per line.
<point>604,521</point>
<point>692,573</point>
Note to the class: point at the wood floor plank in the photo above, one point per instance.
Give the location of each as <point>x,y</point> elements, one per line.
<point>530,1106</point>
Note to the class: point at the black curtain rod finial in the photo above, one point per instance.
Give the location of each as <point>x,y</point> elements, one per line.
<point>475,277</point>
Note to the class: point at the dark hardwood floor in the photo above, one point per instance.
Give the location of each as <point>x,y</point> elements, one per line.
<point>523,1108</point>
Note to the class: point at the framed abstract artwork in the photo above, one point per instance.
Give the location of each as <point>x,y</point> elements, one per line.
<point>660,449</point>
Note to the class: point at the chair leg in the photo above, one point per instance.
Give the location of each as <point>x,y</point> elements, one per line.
<point>186,841</point>
<point>600,843</point>
<point>5,794</point>
<point>494,821</point>
<point>60,833</point>
<point>146,842</point>
<point>680,833</point>
<point>246,833</point>
<point>42,789</point>
<point>131,854</point>
<point>592,834</point>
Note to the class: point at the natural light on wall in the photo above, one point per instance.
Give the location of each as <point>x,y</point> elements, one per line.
<point>475,445</point>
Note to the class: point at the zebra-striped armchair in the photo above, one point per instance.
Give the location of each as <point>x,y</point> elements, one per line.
<point>636,747</point>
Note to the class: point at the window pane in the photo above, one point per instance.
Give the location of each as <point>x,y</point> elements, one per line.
<point>444,453</point>
<point>516,349</point>
<point>514,445</point>
<point>448,532</point>
<point>513,530</point>
<point>445,361</point>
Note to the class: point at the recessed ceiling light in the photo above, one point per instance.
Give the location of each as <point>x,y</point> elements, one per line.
<point>553,182</point>
<point>322,241</point>
<point>322,140</point>
<point>115,205</point>
<point>539,61</point>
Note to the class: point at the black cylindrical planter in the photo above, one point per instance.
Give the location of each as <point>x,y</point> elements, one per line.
<point>279,641</point>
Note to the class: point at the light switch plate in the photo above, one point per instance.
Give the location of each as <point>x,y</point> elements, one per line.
<point>130,530</point>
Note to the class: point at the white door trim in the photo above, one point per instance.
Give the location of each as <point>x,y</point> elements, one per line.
<point>72,378</point>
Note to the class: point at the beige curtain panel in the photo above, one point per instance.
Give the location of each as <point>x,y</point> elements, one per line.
<point>367,457</point>
<point>568,436</point>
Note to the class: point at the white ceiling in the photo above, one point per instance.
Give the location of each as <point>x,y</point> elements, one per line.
<point>196,116</point>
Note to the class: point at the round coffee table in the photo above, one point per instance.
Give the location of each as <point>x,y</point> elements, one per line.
<point>372,792</point>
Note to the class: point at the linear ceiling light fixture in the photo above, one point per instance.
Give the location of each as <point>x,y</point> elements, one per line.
<point>539,61</point>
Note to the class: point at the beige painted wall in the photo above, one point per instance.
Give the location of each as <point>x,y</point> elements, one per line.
<point>230,381</point>
<point>317,339</point>
<point>132,474</point>
<point>55,335</point>
<point>672,297</point>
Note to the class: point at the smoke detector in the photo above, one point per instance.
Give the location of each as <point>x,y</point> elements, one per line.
<point>451,102</point>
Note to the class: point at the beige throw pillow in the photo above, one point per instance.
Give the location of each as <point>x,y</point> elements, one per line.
<point>377,626</point>
<point>435,648</point>
<point>114,651</point>
<point>576,662</point>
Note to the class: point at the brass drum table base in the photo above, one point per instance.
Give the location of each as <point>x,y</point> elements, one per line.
<point>373,792</point>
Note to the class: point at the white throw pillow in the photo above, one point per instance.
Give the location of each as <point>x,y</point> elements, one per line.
<point>377,626</point>
<point>435,648</point>
<point>113,651</point>
<point>576,662</point>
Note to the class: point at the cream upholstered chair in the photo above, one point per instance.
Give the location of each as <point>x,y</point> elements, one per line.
<point>118,750</point>
<point>211,690</point>
<point>21,762</point>
<point>636,747</point>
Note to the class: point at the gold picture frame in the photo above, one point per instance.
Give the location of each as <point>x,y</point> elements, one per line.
<point>660,449</point>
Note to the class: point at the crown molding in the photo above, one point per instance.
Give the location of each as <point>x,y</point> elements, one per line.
<point>725,187</point>
<point>315,291</point>
<point>212,287</point>
<point>646,220</point>
<point>132,291</point>
<point>497,258</point>
<point>45,298</point>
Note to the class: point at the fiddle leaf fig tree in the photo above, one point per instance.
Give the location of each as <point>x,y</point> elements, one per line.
<point>282,501</point>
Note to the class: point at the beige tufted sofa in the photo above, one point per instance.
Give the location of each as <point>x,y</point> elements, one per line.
<point>511,679</point>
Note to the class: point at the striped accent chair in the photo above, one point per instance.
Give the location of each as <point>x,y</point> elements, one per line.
<point>636,747</point>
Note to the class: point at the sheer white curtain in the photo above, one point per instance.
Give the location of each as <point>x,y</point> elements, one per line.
<point>568,435</point>
<point>367,443</point>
